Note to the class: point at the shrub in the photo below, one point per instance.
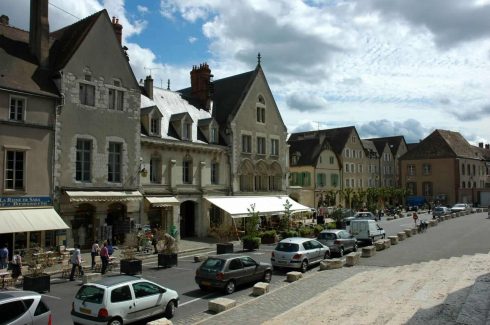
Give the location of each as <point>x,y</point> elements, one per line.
<point>318,229</point>
<point>289,233</point>
<point>305,231</point>
<point>268,234</point>
<point>332,225</point>
<point>250,242</point>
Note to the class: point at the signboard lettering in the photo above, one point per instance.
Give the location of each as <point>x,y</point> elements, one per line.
<point>25,201</point>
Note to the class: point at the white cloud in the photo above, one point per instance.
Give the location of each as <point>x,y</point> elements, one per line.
<point>192,39</point>
<point>142,9</point>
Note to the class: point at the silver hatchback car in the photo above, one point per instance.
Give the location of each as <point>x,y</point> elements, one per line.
<point>23,307</point>
<point>298,253</point>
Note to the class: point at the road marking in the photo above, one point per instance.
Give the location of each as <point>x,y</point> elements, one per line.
<point>194,300</point>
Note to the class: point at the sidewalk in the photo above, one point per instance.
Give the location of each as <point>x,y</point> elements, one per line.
<point>446,291</point>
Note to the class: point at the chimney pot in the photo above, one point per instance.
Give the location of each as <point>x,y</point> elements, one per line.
<point>117,29</point>
<point>487,146</point>
<point>480,144</point>
<point>201,88</point>
<point>149,86</point>
<point>39,32</point>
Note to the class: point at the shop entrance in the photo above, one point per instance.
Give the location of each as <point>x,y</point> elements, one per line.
<point>9,240</point>
<point>118,221</point>
<point>82,225</point>
<point>187,219</point>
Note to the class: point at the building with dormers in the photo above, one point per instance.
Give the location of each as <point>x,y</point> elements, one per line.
<point>390,163</point>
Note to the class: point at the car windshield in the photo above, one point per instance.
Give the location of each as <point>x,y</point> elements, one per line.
<point>287,247</point>
<point>91,294</point>
<point>438,209</point>
<point>327,236</point>
<point>213,264</point>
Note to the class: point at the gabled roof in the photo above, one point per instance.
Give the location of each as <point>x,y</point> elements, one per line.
<point>443,144</point>
<point>337,137</point>
<point>393,143</point>
<point>180,116</point>
<point>228,94</point>
<point>19,69</point>
<point>370,146</point>
<point>307,151</point>
<point>69,38</point>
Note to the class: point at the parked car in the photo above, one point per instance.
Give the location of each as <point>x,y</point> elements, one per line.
<point>23,307</point>
<point>227,271</point>
<point>338,241</point>
<point>122,299</point>
<point>440,211</point>
<point>298,253</point>
<point>458,207</point>
<point>366,231</point>
<point>365,215</point>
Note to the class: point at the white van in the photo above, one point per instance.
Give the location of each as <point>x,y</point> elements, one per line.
<point>367,231</point>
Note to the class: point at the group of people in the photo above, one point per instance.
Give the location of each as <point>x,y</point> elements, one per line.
<point>104,252</point>
<point>15,265</point>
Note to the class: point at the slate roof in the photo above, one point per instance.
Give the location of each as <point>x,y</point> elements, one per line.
<point>394,143</point>
<point>443,144</point>
<point>370,145</point>
<point>228,95</point>
<point>307,151</point>
<point>19,70</point>
<point>337,137</point>
<point>172,106</point>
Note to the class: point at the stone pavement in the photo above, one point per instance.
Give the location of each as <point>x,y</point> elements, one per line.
<point>446,291</point>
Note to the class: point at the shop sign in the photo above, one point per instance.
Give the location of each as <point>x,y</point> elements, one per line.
<point>25,201</point>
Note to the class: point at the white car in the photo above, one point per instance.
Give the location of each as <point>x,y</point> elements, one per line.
<point>458,207</point>
<point>23,307</point>
<point>122,299</point>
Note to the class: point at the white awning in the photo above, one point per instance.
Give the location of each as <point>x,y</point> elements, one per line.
<point>104,196</point>
<point>34,219</point>
<point>237,206</point>
<point>162,201</point>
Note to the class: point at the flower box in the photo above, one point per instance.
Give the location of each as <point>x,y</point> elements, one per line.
<point>38,283</point>
<point>131,267</point>
<point>167,259</point>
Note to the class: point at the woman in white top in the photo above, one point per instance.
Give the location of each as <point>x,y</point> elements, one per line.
<point>94,252</point>
<point>16,266</point>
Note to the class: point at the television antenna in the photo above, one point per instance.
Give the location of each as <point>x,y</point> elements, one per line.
<point>151,69</point>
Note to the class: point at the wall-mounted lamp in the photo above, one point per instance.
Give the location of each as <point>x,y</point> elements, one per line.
<point>142,169</point>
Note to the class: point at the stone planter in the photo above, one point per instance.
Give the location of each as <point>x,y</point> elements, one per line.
<point>268,240</point>
<point>167,260</point>
<point>38,283</point>
<point>251,244</point>
<point>224,248</point>
<point>131,267</point>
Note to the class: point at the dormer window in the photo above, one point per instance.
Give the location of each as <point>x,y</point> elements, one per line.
<point>213,135</point>
<point>186,131</point>
<point>155,126</point>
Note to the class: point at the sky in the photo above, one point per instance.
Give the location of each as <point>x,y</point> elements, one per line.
<point>387,67</point>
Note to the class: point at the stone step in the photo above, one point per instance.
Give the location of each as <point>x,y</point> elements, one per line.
<point>475,309</point>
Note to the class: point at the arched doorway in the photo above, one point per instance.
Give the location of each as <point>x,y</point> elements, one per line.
<point>82,225</point>
<point>118,223</point>
<point>187,219</point>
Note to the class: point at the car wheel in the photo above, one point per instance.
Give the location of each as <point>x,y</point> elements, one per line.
<point>304,266</point>
<point>170,309</point>
<point>267,276</point>
<point>355,247</point>
<point>341,251</point>
<point>115,321</point>
<point>230,287</point>
<point>276,268</point>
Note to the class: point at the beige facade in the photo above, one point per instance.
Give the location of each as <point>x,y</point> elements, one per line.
<point>354,163</point>
<point>387,167</point>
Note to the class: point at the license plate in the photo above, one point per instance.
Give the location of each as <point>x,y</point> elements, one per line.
<point>206,283</point>
<point>85,310</point>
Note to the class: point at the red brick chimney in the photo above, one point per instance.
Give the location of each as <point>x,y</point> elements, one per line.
<point>39,32</point>
<point>201,87</point>
<point>117,29</point>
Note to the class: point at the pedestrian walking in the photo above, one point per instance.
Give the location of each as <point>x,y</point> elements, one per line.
<point>76,261</point>
<point>16,266</point>
<point>104,256</point>
<point>94,252</point>
<point>4,256</point>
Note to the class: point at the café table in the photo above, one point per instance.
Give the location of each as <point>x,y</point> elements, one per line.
<point>3,274</point>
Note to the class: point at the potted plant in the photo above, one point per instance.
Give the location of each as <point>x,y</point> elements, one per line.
<point>167,251</point>
<point>251,240</point>
<point>130,264</point>
<point>223,233</point>
<point>36,279</point>
<point>269,237</point>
